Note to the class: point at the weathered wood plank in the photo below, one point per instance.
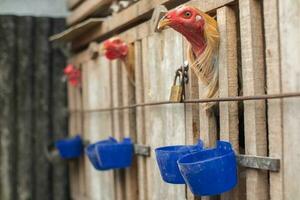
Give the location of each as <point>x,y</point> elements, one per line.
<point>140,116</point>
<point>79,131</point>
<point>118,126</point>
<point>73,3</point>
<point>88,168</point>
<point>24,107</point>
<point>141,11</point>
<point>7,112</point>
<point>129,128</point>
<point>86,9</point>
<point>59,115</point>
<point>228,83</point>
<point>289,24</point>
<point>272,53</point>
<point>253,71</point>
<point>97,126</point>
<point>165,125</point>
<point>228,76</point>
<point>41,107</point>
<point>74,164</point>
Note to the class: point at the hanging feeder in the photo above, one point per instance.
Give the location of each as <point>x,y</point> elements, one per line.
<point>92,152</point>
<point>70,148</point>
<point>211,171</point>
<point>167,158</point>
<point>115,155</point>
<point>110,154</point>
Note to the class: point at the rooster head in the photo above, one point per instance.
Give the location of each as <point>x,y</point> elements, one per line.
<point>115,48</point>
<point>72,74</point>
<point>192,23</point>
<point>201,31</point>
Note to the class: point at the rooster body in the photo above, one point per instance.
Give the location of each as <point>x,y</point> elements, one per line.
<point>203,36</point>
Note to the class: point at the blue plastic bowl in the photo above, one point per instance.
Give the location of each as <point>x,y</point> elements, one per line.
<point>92,152</point>
<point>211,171</point>
<point>167,158</point>
<point>70,148</point>
<point>115,155</point>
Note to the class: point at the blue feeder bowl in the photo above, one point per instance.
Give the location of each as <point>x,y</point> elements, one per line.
<point>70,148</point>
<point>115,155</point>
<point>211,171</point>
<point>167,158</point>
<point>92,152</point>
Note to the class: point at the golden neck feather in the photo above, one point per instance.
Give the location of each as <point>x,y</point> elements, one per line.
<point>205,65</point>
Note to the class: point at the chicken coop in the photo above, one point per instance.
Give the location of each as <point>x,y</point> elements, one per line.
<point>255,107</point>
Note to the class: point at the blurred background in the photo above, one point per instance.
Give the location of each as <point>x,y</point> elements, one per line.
<point>32,99</point>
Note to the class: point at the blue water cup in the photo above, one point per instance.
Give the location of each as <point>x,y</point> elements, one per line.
<point>70,148</point>
<point>115,155</point>
<point>211,171</point>
<point>91,152</point>
<point>167,158</point>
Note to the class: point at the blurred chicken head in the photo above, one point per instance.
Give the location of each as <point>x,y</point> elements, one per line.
<point>115,48</point>
<point>72,74</point>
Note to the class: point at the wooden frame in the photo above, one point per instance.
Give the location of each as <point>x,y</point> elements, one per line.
<point>72,4</point>
<point>250,44</point>
<point>86,9</point>
<point>139,12</point>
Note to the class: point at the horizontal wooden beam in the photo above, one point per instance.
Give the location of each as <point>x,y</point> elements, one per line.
<point>76,30</point>
<point>137,13</point>
<point>259,162</point>
<point>129,36</point>
<point>142,150</point>
<point>71,4</point>
<point>87,9</point>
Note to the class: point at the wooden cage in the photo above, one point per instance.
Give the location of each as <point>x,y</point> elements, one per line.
<point>254,59</point>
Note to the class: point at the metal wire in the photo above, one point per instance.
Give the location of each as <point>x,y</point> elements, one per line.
<point>220,99</point>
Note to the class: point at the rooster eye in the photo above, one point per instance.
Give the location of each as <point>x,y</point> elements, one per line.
<point>187,14</point>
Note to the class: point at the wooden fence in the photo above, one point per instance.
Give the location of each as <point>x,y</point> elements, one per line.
<point>258,54</point>
<point>33,109</point>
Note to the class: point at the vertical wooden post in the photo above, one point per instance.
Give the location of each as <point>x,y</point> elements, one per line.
<point>118,128</point>
<point>73,165</point>
<point>79,131</point>
<point>24,107</point>
<point>275,124</point>
<point>76,167</point>
<point>289,23</point>
<point>129,124</point>
<point>97,125</point>
<point>254,84</point>
<point>41,108</point>
<point>228,84</point>
<point>140,116</point>
<point>8,108</point>
<point>165,125</point>
<point>88,168</point>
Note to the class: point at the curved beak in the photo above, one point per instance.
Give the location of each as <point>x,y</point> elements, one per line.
<point>163,23</point>
<point>102,49</point>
